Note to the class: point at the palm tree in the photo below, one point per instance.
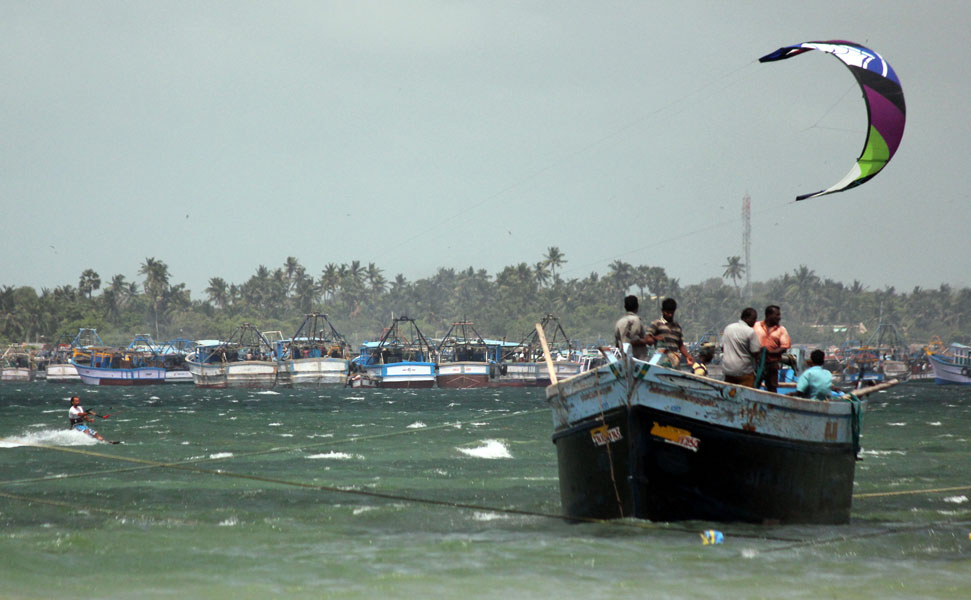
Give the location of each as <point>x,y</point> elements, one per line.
<point>329,281</point>
<point>89,282</point>
<point>218,291</point>
<point>555,259</point>
<point>734,269</point>
<point>156,284</point>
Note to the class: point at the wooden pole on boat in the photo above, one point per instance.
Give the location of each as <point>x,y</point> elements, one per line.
<point>546,353</point>
<point>873,388</point>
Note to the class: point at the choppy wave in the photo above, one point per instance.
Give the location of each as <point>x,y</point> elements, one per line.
<point>491,449</point>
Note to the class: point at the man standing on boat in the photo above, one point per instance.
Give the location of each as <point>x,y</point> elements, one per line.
<point>78,417</point>
<point>665,335</point>
<point>740,349</point>
<point>630,330</point>
<point>775,340</point>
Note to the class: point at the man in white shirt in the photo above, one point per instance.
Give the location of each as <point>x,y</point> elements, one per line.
<point>740,349</point>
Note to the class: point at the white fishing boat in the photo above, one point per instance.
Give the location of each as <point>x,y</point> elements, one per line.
<point>246,359</point>
<point>953,366</point>
<point>316,355</point>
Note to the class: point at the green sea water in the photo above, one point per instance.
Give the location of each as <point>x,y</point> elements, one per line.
<point>334,493</point>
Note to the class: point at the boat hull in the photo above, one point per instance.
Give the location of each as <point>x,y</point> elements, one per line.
<point>136,376</point>
<point>403,375</point>
<point>317,371</point>
<point>463,375</point>
<point>16,374</point>
<point>62,373</point>
<point>949,372</point>
<point>689,447</point>
<point>243,374</point>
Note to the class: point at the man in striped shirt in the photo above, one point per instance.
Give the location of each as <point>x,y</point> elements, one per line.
<point>665,334</point>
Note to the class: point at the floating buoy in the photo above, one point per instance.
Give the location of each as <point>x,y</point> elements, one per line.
<point>712,536</point>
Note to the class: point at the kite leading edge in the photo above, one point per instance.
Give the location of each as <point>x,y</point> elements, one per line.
<point>886,111</point>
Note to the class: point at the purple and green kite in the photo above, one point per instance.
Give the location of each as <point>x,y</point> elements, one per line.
<point>885,107</point>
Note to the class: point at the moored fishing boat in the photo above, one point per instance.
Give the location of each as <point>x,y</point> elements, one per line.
<point>522,364</point>
<point>59,366</point>
<point>402,358</point>
<point>464,358</point>
<point>634,439</point>
<point>18,364</point>
<point>953,366</point>
<point>317,354</point>
<point>117,366</point>
<point>245,359</point>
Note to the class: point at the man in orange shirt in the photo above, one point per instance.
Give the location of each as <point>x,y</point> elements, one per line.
<point>775,340</point>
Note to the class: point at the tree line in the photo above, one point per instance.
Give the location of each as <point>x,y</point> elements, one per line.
<point>360,300</point>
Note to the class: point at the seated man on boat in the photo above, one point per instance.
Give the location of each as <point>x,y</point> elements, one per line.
<point>78,417</point>
<point>665,334</point>
<point>741,349</point>
<point>815,382</point>
<point>630,330</point>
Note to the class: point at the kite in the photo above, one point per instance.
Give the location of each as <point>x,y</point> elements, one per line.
<point>886,112</point>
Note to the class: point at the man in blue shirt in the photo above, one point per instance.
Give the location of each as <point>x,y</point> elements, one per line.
<point>815,382</point>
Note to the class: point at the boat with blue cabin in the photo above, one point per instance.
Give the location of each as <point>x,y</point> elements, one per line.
<point>402,358</point>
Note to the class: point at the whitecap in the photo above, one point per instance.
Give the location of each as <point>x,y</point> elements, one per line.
<point>268,393</point>
<point>490,449</point>
<point>896,424</point>
<point>230,522</point>
<point>935,423</point>
<point>336,456</point>
<point>488,516</point>
<point>154,398</point>
<point>956,499</point>
<point>416,425</point>
<point>221,455</point>
<point>274,424</point>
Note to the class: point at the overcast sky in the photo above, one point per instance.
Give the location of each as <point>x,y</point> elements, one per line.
<point>218,136</point>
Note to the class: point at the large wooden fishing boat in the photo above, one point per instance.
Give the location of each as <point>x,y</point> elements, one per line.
<point>635,439</point>
<point>464,358</point>
<point>59,366</point>
<point>402,358</point>
<point>246,359</point>
<point>522,364</point>
<point>953,366</point>
<point>117,366</point>
<point>317,354</point>
<point>18,364</point>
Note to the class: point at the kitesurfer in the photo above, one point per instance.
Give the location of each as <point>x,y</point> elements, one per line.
<point>79,417</point>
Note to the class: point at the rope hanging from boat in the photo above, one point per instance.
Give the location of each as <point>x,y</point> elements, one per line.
<point>610,456</point>
<point>760,371</point>
<point>856,420</point>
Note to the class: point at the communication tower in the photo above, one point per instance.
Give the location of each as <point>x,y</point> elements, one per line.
<point>747,242</point>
